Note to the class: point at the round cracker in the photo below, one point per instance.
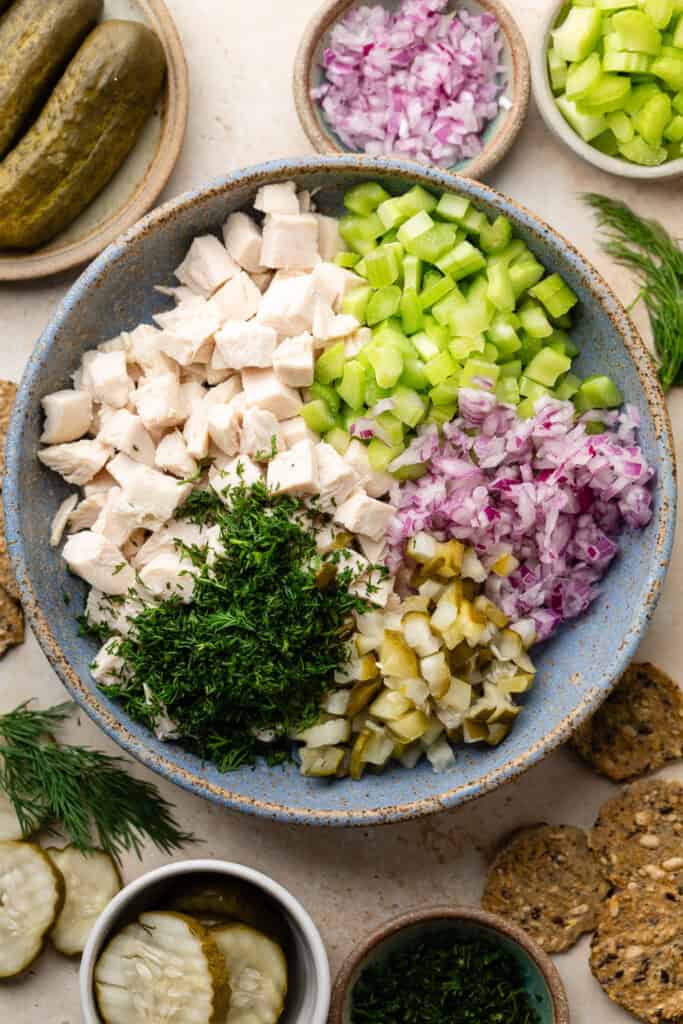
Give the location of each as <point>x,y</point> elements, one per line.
<point>637,952</point>
<point>11,622</point>
<point>638,729</point>
<point>547,880</point>
<point>638,834</point>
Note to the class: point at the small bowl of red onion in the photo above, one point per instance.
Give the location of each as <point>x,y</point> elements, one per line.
<point>435,81</point>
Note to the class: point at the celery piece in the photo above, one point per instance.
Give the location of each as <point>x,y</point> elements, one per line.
<point>478,289</point>
<point>506,348</point>
<point>503,329</point>
<point>639,96</point>
<point>441,414</point>
<point>594,427</point>
<point>355,230</point>
<point>390,332</point>
<point>318,416</point>
<point>389,429</point>
<point>524,274</point>
<point>677,38</point>
<point>352,386</point>
<point>339,439</point>
<point>511,369</point>
<point>557,70</point>
<point>638,152</point>
<point>472,318</point>
<point>361,268</point>
<point>637,31</point>
<point>383,304</point>
<point>381,454</point>
<point>414,375</point>
<point>608,94</point>
<point>365,198</point>
<point>532,389</point>
<point>494,237</point>
<point>526,409</point>
<point>418,225</point>
<point>561,342</point>
<point>445,393</point>
<point>507,391</point>
<point>476,371</point>
<point>606,143</point>
<point>387,362</point>
<point>348,260</point>
<point>330,365</point>
<point>437,291</point>
<point>500,290</point>
<point>670,70</point>
<point>355,302</point>
<point>653,118</point>
<point>440,367</point>
<point>621,126</point>
<point>579,33</point>
<point>515,250</point>
<point>534,321</point>
<point>461,348</point>
<point>426,347</point>
<point>583,75</point>
<point>411,311</point>
<point>436,331</point>
<point>567,386</point>
<point>382,267</point>
<point>617,5</point>
<point>530,348</point>
<point>410,472</point>
<point>623,61</point>
<point>490,353</point>
<point>674,130</point>
<point>393,213</point>
<point>600,392</point>
<point>409,407</point>
<point>445,309</point>
<point>588,126</point>
<point>418,198</point>
<point>326,394</point>
<point>660,11</point>
<point>432,244</point>
<point>452,207</point>
<point>474,221</point>
<point>547,367</point>
<point>555,295</point>
<point>412,272</point>
<point>462,261</point>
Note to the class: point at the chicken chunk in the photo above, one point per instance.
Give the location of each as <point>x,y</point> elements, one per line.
<point>173,457</point>
<point>290,241</point>
<point>207,266</point>
<point>166,539</point>
<point>243,241</point>
<point>226,473</point>
<point>376,484</point>
<point>187,333</point>
<point>280,198</point>
<point>331,283</point>
<point>225,392</point>
<point>76,462</point>
<point>330,242</point>
<point>294,430</point>
<point>329,326</point>
<point>99,562</point>
<point>238,299</point>
<point>155,496</point>
<point>289,304</point>
<point>244,344</point>
<point>126,432</point>
<point>374,550</point>
<point>61,519</point>
<point>117,519</point>
<point>145,342</point>
<point>293,361</point>
<point>105,377</point>
<point>260,430</point>
<point>362,514</point>
<point>68,415</point>
<point>192,395</point>
<point>294,471</point>
<point>159,402</point>
<point>196,433</point>
<point>337,479</point>
<point>225,424</point>
<point>263,390</point>
<point>85,514</point>
<point>108,668</point>
<point>169,575</point>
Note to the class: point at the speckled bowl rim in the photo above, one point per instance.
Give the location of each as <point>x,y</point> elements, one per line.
<point>253,177</point>
<point>471,915</point>
<point>550,112</point>
<point>54,258</point>
<point>493,152</point>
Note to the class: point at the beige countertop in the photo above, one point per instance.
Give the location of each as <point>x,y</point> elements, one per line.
<point>240,57</point>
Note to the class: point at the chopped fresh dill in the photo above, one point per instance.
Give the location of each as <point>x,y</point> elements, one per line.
<point>256,649</point>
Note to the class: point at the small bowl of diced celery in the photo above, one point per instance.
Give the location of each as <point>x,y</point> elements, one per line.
<point>608,80</point>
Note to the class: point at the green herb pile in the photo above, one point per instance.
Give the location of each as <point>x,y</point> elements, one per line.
<point>444,979</point>
<point>255,651</point>
<point>657,260</point>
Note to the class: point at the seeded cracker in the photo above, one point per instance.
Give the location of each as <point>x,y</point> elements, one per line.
<point>11,614</point>
<point>637,952</point>
<point>548,881</point>
<point>638,835</point>
<point>11,623</point>
<point>638,728</point>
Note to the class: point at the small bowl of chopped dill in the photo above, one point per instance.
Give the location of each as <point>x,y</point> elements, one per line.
<point>445,965</point>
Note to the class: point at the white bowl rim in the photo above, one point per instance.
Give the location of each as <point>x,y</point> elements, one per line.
<point>554,120</point>
<point>233,869</point>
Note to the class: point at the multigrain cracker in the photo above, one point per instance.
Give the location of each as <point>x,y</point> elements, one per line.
<point>11,622</point>
<point>638,835</point>
<point>637,952</point>
<point>8,580</point>
<point>548,881</point>
<point>8,391</point>
<point>638,728</point>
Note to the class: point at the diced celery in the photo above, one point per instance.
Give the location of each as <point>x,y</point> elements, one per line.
<point>623,61</point>
<point>511,369</point>
<point>383,304</point>
<point>412,272</point>
<point>474,221</point>
<point>677,38</point>
<point>410,472</point>
<point>445,393</point>
<point>348,416</point>
<point>444,310</point>
<point>547,367</point>
<point>490,353</point>
<point>392,212</point>
<point>503,329</point>
<point>639,96</point>
<point>588,126</point>
<point>461,348</point>
<point>391,332</point>
<point>418,198</point>
<point>534,321</point>
<point>638,152</point>
<point>373,392</point>
<point>530,348</point>
<point>478,289</point>
<point>515,250</point>
<point>418,225</point>
<point>437,291</point>
<point>660,11</point>
<point>339,439</point>
<point>318,416</point>
<point>387,362</point>
<point>326,394</point>
<point>555,295</point>
<point>426,347</point>
<point>463,260</point>
<point>500,290</point>
<point>355,302</point>
<point>583,75</point>
<point>347,259</point>
<point>358,231</point>
<point>411,311</point>
<point>330,365</point>
<point>365,198</point>
<point>352,386</point>
<point>382,266</point>
<point>567,386</point>
<point>561,342</point>
<point>653,118</point>
<point>472,318</point>
<point>432,244</point>
<point>579,33</point>
<point>670,70</point>
<point>476,370</point>
<point>436,331</point>
<point>674,129</point>
<point>440,367</point>
<point>414,375</point>
<point>381,454</point>
<point>441,414</point>
<point>606,143</point>
<point>620,125</point>
<point>507,391</point>
<point>452,207</point>
<point>409,408</point>
<point>608,94</point>
<point>600,392</point>
<point>389,429</point>
<point>507,348</point>
<point>617,5</point>
<point>531,389</point>
<point>637,31</point>
<point>557,69</point>
<point>494,237</point>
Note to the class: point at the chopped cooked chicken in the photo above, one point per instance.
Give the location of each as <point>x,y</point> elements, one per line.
<point>226,473</point>
<point>126,432</point>
<point>294,362</point>
<point>68,415</point>
<point>225,392</point>
<point>108,668</point>
<point>76,462</point>
<point>330,242</point>
<point>173,457</point>
<point>61,518</point>
<point>376,484</point>
<point>361,514</point>
<point>263,390</point>
<point>260,430</point>
<point>238,299</point>
<point>336,478</point>
<point>105,376</point>
<point>225,424</point>
<point>280,198</point>
<point>117,519</point>
<point>168,575</point>
<point>243,241</point>
<point>244,344</point>
<point>155,496</point>
<point>196,433</point>
<point>296,429</point>
<point>99,562</point>
<point>289,304</point>
<point>207,266</point>
<point>294,471</point>
<point>84,515</point>
<point>159,401</point>
<point>145,349</point>
<point>290,241</point>
<point>328,325</point>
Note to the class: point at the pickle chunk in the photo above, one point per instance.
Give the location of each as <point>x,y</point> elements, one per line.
<point>258,974</point>
<point>91,881</point>
<point>31,897</point>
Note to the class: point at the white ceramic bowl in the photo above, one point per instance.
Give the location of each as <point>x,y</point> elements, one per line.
<point>550,113</point>
<point>308,998</point>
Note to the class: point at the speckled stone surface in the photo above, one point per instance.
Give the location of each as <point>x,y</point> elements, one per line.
<point>241,112</point>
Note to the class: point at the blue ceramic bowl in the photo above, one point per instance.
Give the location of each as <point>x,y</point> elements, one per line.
<point>575,670</point>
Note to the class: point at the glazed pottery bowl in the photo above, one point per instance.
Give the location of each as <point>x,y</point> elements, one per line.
<point>540,977</point>
<point>499,134</point>
<point>576,669</point>
<point>550,112</point>
<point>308,995</point>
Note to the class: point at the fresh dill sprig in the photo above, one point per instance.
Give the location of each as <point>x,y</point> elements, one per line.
<point>89,794</point>
<point>657,260</point>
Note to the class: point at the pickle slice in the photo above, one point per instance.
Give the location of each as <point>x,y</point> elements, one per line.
<point>228,900</point>
<point>165,967</point>
<point>91,880</point>
<point>31,897</point>
<point>258,974</point>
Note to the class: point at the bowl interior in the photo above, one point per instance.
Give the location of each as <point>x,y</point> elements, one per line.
<point>506,76</point>
<point>575,669</point>
<point>533,978</point>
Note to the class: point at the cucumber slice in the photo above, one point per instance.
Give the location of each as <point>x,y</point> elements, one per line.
<point>258,974</point>
<point>31,897</point>
<point>165,967</point>
<point>91,881</point>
